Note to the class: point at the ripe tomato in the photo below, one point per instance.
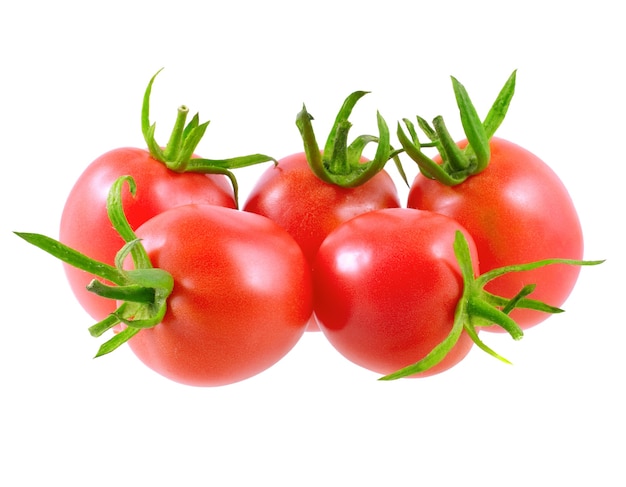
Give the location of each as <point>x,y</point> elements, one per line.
<point>167,177</point>
<point>85,225</point>
<point>386,286</point>
<point>309,208</point>
<point>241,297</point>
<point>312,192</point>
<point>518,211</point>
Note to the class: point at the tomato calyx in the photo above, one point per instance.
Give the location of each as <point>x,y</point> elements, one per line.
<point>142,291</point>
<point>478,308</point>
<point>340,163</point>
<point>457,164</point>
<point>178,154</point>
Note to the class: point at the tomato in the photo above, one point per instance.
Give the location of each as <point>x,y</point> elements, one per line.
<point>517,211</point>
<point>386,286</point>
<point>241,297</point>
<point>85,225</point>
<point>515,207</point>
<point>309,208</point>
<point>166,177</point>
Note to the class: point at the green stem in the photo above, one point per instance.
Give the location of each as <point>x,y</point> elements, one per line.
<point>451,153</point>
<point>132,292</point>
<point>175,143</point>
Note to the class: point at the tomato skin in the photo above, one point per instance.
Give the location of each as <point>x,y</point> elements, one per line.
<point>386,285</point>
<point>85,225</point>
<point>309,208</point>
<point>241,299</point>
<point>518,211</point>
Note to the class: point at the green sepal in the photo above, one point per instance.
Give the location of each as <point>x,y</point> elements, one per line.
<point>340,163</point>
<point>142,291</point>
<point>115,212</point>
<point>474,130</point>
<point>477,308</point>
<point>500,106</point>
<point>225,166</point>
<point>72,257</point>
<point>458,164</point>
<point>117,341</point>
<point>428,167</point>
<point>178,153</point>
<point>438,353</point>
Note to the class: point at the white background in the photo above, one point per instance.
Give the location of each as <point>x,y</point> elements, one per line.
<point>72,78</point>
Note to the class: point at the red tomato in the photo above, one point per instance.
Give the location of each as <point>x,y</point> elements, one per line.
<point>85,225</point>
<point>518,211</point>
<point>241,298</point>
<point>386,285</point>
<point>309,208</point>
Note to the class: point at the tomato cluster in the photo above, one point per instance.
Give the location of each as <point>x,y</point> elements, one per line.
<point>207,294</point>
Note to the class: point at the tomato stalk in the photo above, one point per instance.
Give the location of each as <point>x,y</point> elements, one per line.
<point>178,154</point>
<point>340,163</point>
<point>478,308</point>
<point>142,291</point>
<point>457,164</point>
